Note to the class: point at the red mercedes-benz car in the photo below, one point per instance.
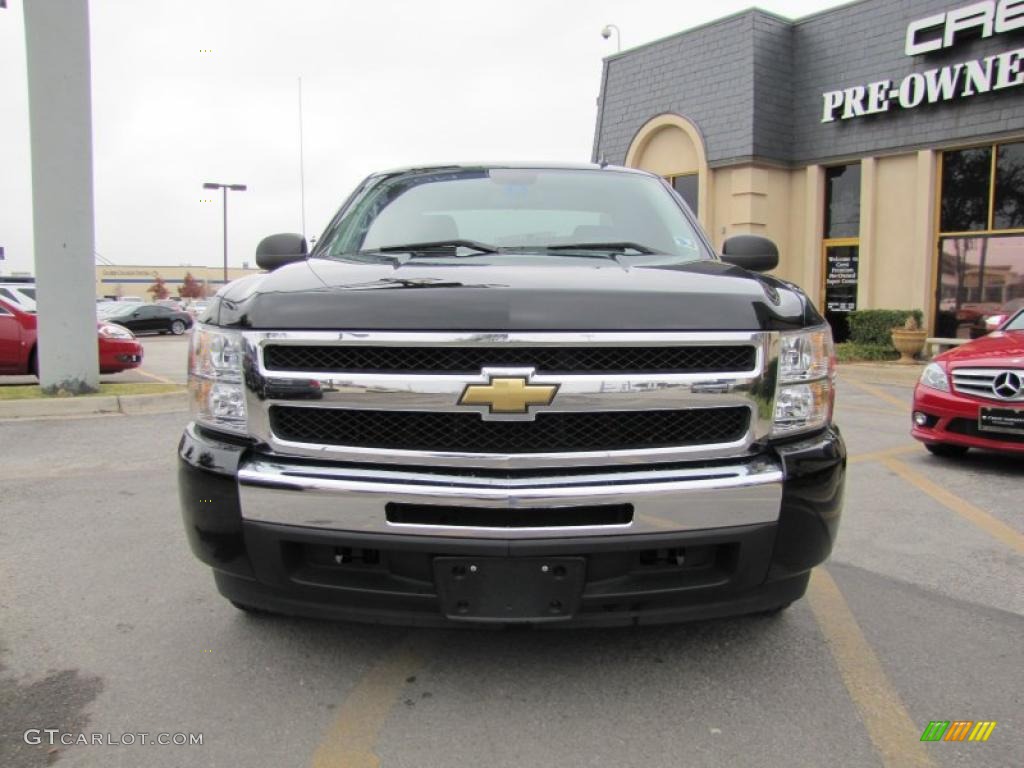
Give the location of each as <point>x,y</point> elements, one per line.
<point>973,396</point>
<point>119,349</point>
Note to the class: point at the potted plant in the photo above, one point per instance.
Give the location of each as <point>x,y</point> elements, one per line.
<point>909,340</point>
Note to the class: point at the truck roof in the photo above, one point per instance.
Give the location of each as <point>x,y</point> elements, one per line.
<point>517,165</point>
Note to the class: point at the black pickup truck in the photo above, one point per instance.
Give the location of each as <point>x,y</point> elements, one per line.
<point>512,394</point>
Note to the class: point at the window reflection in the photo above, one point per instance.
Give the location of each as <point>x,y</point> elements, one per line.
<point>978,276</point>
<point>1009,192</point>
<point>966,174</point>
<point>842,201</point>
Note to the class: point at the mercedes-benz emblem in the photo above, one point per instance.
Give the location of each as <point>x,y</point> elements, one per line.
<point>1007,385</point>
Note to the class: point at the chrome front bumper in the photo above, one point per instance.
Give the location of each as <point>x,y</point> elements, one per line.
<point>664,500</point>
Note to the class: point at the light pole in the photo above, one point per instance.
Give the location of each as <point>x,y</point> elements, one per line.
<point>225,188</point>
<point>607,32</point>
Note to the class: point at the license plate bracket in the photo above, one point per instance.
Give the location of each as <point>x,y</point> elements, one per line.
<point>507,589</point>
<point>1007,420</point>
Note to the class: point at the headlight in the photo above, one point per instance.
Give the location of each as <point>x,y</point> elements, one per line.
<point>934,377</point>
<point>216,390</point>
<point>111,331</point>
<point>803,398</point>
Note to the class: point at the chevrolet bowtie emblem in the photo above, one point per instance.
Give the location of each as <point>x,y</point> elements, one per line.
<point>508,394</point>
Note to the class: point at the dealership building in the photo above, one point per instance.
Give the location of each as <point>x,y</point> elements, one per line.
<point>117,281</point>
<point>879,144</point>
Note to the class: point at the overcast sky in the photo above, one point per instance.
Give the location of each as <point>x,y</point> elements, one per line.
<point>385,83</point>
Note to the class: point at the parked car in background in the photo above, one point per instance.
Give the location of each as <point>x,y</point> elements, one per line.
<point>150,318</point>
<point>197,308</point>
<point>973,396</point>
<point>991,321</point>
<point>21,293</point>
<point>119,350</point>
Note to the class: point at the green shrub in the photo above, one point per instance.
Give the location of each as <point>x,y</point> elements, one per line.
<point>873,326</point>
<point>852,352</point>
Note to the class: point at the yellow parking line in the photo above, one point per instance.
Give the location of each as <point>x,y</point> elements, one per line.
<point>904,405</point>
<point>972,514</point>
<point>153,376</point>
<point>350,742</point>
<point>889,726</point>
<point>859,458</point>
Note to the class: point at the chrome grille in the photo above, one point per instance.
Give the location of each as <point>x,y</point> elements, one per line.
<point>628,398</point>
<point>980,382</point>
<point>424,359</point>
<point>548,433</point>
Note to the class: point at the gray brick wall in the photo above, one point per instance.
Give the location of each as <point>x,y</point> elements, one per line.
<point>864,42</point>
<point>753,84</point>
<point>704,74</point>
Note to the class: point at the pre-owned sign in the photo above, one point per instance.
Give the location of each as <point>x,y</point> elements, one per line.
<point>964,79</point>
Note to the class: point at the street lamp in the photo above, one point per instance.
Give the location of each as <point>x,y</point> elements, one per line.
<point>607,32</point>
<point>225,188</point>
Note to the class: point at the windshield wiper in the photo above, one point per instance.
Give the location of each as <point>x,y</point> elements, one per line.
<point>430,249</point>
<point>615,247</point>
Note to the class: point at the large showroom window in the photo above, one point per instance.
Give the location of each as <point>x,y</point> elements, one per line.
<point>841,246</point>
<point>981,237</point>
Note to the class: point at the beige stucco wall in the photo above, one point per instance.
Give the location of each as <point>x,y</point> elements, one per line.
<point>787,205</point>
<point>891,248</point>
<point>670,145</point>
<point>756,200</point>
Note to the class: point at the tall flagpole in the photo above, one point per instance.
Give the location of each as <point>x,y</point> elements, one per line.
<point>302,165</point>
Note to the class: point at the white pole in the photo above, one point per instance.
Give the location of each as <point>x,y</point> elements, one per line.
<point>60,120</point>
<point>302,165</point>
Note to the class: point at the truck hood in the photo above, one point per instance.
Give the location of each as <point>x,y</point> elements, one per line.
<point>501,292</point>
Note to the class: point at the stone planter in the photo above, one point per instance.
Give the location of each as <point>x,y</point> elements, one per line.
<point>908,343</point>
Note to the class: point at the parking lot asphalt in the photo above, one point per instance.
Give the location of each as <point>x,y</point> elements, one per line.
<point>108,625</point>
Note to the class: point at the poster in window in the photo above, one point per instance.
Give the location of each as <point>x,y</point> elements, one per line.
<point>841,264</point>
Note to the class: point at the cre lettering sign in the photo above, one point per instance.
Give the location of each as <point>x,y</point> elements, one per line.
<point>964,79</point>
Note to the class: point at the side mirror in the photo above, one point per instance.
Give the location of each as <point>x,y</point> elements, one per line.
<point>758,254</point>
<point>277,250</point>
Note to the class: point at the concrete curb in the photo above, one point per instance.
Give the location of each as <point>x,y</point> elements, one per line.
<point>57,407</point>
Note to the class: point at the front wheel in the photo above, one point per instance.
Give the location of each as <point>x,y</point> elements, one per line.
<point>177,327</point>
<point>946,451</point>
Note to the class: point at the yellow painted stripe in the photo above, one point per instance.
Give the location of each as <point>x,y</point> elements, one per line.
<point>859,458</point>
<point>153,376</point>
<point>352,738</point>
<point>972,514</point>
<point>904,404</point>
<point>889,726</point>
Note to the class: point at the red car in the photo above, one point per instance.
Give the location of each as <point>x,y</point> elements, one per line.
<point>119,349</point>
<point>973,396</point>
